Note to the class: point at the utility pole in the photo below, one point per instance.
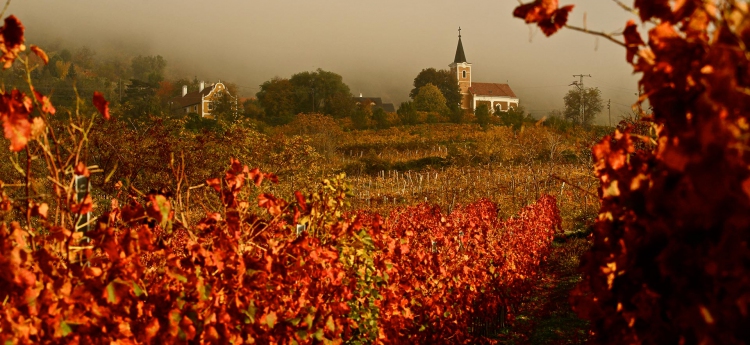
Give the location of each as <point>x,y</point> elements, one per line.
<point>609,111</point>
<point>582,90</point>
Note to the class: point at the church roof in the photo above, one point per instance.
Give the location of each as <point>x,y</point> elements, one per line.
<point>460,56</point>
<point>492,89</point>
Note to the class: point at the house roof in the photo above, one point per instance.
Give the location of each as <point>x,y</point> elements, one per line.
<point>460,56</point>
<point>191,98</point>
<point>491,89</point>
<point>378,102</point>
<point>388,107</point>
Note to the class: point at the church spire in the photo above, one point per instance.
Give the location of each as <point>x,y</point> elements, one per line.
<point>460,56</point>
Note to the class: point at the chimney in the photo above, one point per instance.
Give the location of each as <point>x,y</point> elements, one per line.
<point>203,85</point>
<point>184,90</point>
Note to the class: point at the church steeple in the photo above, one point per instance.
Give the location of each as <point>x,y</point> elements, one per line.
<point>462,70</point>
<point>460,56</point>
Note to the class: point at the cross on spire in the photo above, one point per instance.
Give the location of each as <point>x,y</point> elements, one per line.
<point>460,56</point>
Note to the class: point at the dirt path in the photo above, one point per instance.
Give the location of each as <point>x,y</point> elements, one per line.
<point>547,317</point>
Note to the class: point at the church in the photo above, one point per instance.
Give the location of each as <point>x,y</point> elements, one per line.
<point>496,96</point>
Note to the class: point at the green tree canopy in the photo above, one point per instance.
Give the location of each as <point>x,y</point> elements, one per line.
<point>430,99</point>
<point>515,116</point>
<point>362,115</point>
<point>84,58</point>
<point>277,97</point>
<point>148,68</point>
<point>251,108</point>
<point>321,91</point>
<point>445,81</point>
<point>141,100</point>
<point>380,117</point>
<point>592,105</point>
<point>407,113</point>
<point>482,113</point>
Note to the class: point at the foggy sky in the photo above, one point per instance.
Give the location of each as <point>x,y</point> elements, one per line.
<point>377,46</point>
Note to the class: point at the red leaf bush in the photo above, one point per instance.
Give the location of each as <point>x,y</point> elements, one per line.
<point>446,271</point>
<point>670,262</point>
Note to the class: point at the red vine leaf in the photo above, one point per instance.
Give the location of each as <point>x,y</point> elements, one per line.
<point>45,102</point>
<point>556,22</point>
<point>214,183</point>
<point>545,13</point>
<point>83,207</point>
<point>15,109</point>
<point>40,53</point>
<point>633,40</point>
<point>270,203</point>
<point>12,38</point>
<point>648,9</point>
<point>300,200</point>
<point>273,178</point>
<point>101,104</point>
<point>40,210</point>
<point>256,176</point>
<point>82,170</point>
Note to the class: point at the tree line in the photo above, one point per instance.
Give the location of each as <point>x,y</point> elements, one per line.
<point>139,90</point>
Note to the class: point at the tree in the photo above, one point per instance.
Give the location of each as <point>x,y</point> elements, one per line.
<point>141,99</point>
<point>515,117</point>
<point>592,105</point>
<point>380,117</point>
<point>321,91</point>
<point>482,113</point>
<point>84,58</point>
<point>252,109</point>
<point>148,68</point>
<point>430,99</point>
<point>445,81</point>
<point>556,120</point>
<point>407,113</point>
<point>361,115</point>
<point>457,115</point>
<point>340,105</point>
<point>197,123</point>
<point>276,96</point>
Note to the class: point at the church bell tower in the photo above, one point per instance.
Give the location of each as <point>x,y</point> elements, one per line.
<point>462,70</point>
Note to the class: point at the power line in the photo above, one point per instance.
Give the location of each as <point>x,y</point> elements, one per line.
<point>624,105</point>
<point>539,87</point>
<point>623,89</point>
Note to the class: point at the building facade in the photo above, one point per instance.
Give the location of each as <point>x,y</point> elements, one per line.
<point>495,95</point>
<point>203,101</point>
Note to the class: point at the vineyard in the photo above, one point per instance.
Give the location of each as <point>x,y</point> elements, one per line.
<point>426,234</point>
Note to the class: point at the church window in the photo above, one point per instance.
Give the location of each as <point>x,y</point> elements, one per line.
<point>464,73</point>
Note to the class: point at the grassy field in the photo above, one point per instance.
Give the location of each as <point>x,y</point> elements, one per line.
<point>450,164</point>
